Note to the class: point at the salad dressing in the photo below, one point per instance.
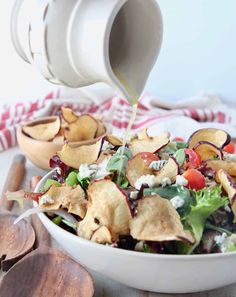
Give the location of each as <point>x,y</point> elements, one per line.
<point>133,98</point>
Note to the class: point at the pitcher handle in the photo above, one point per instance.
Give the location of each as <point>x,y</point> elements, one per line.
<point>14,34</point>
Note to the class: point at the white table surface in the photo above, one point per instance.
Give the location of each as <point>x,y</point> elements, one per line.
<point>105,287</point>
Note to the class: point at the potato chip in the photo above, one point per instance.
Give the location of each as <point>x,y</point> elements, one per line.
<point>150,144</point>
<point>102,235</point>
<point>75,156</point>
<point>158,220</point>
<point>84,128</point>
<point>44,130</point>
<point>68,115</point>
<point>108,206</point>
<point>67,197</point>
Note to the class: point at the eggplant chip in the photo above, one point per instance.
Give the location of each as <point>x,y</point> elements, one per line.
<point>44,130</point>
<point>229,186</point>
<point>67,197</point>
<point>150,144</point>
<point>217,137</point>
<point>75,156</point>
<point>84,128</point>
<point>108,206</point>
<point>157,220</point>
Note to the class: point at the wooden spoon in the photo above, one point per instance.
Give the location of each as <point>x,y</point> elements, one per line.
<point>46,272</point>
<point>15,240</point>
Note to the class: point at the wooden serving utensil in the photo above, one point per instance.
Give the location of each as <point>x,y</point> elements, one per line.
<point>15,240</point>
<point>46,272</point>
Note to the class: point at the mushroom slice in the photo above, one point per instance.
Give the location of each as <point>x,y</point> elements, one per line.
<point>68,115</point>
<point>157,220</point>
<point>114,140</point>
<point>207,150</point>
<point>84,128</point>
<point>228,166</point>
<point>67,197</point>
<point>219,138</point>
<point>75,156</point>
<point>230,188</point>
<point>43,130</point>
<point>108,206</point>
<point>102,235</point>
<point>150,144</point>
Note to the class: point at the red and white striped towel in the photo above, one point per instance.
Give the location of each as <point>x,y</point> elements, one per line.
<point>179,120</point>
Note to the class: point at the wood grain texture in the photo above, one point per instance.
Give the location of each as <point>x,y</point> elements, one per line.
<point>13,181</point>
<point>46,273</point>
<point>15,240</point>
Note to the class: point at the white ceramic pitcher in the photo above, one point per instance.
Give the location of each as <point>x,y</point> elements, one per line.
<point>80,42</point>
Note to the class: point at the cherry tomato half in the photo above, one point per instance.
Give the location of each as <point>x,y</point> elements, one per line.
<point>148,158</point>
<point>229,148</point>
<point>193,159</point>
<point>195,179</point>
<point>178,139</point>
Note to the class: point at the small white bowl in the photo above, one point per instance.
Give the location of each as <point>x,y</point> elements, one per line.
<point>150,272</point>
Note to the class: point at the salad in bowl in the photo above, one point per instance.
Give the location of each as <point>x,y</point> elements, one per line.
<point>148,213</point>
<point>155,195</point>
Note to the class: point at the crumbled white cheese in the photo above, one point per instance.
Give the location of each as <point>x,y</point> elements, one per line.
<point>87,171</point>
<point>229,157</point>
<point>102,169</point>
<point>165,181</point>
<point>152,181</point>
<point>181,181</point>
<point>107,146</point>
<point>177,202</point>
<point>139,246</point>
<point>225,242</point>
<point>148,179</point>
<point>157,165</point>
<point>133,195</point>
<point>227,208</point>
<point>45,199</point>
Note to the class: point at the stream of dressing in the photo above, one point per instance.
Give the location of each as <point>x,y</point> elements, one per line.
<point>134,105</point>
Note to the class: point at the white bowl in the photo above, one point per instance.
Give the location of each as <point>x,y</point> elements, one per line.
<point>150,272</point>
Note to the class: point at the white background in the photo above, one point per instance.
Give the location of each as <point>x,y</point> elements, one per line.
<point>198,53</point>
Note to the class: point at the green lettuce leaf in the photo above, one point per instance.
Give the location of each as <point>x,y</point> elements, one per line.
<point>117,164</point>
<point>207,202</point>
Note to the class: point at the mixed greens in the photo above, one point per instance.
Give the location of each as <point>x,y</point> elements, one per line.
<point>156,195</point>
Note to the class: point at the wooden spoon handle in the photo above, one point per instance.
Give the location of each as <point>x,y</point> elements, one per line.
<point>42,236</point>
<point>13,181</point>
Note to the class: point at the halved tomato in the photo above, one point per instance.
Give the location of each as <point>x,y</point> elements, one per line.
<point>229,148</point>
<point>148,158</point>
<point>193,159</point>
<point>195,179</point>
